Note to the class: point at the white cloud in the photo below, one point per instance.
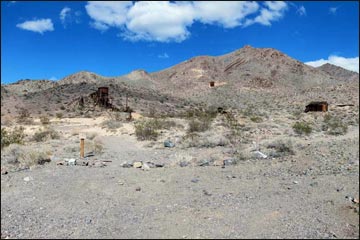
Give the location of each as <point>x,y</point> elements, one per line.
<point>301,11</point>
<point>333,10</point>
<point>53,78</point>
<point>273,12</point>
<point>226,14</point>
<point>164,55</point>
<point>108,13</point>
<point>166,21</point>
<point>351,64</point>
<point>40,26</point>
<point>64,15</point>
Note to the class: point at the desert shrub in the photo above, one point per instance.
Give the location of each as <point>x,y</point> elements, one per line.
<point>195,139</point>
<point>24,116</point>
<point>256,119</point>
<point>235,128</point>
<point>334,125</point>
<point>146,130</point>
<point>15,136</point>
<point>62,107</point>
<point>196,125</point>
<point>281,148</point>
<point>302,128</point>
<point>111,124</point>
<point>44,120</point>
<point>59,115</point>
<point>43,135</point>
<point>17,154</point>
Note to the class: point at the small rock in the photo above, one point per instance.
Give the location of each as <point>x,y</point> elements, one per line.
<point>207,193</point>
<point>204,162</point>
<point>295,182</point>
<point>27,179</point>
<point>194,180</point>
<point>71,161</point>
<point>159,165</point>
<point>126,165</point>
<point>169,144</point>
<point>145,167</point>
<point>137,164</point>
<point>314,184</point>
<point>228,162</point>
<point>183,164</point>
<point>138,189</point>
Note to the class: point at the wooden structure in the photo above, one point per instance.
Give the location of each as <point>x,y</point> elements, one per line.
<point>212,84</point>
<point>317,107</point>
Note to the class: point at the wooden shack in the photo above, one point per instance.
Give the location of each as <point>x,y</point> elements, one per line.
<point>317,107</point>
<point>212,84</point>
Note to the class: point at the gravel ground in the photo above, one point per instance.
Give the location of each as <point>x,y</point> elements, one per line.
<point>299,196</point>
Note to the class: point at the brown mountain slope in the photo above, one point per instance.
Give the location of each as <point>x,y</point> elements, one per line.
<point>339,72</point>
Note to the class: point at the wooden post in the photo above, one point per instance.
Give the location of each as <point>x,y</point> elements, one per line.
<point>82,148</point>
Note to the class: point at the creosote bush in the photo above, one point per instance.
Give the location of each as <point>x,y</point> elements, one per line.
<point>44,120</point>
<point>334,125</point>
<point>146,130</point>
<point>15,136</point>
<point>302,128</point>
<point>43,135</point>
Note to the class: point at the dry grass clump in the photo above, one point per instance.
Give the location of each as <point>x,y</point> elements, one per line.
<point>206,139</point>
<point>25,156</point>
<point>302,128</point>
<point>111,124</point>
<point>24,116</point>
<point>281,148</point>
<point>44,120</point>
<point>45,134</point>
<point>334,125</point>
<point>146,130</point>
<point>9,137</point>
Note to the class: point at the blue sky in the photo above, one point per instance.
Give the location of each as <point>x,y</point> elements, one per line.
<point>50,40</point>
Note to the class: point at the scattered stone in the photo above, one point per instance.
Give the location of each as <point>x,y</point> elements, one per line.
<point>183,164</point>
<point>138,189</point>
<point>151,164</point>
<point>314,184</point>
<point>137,164</point>
<point>70,161</point>
<point>228,162</point>
<point>62,162</point>
<point>207,193</point>
<point>259,154</point>
<point>145,167</point>
<point>169,144</point>
<point>27,179</point>
<point>159,165</point>
<point>204,162</point>
<point>82,162</point>
<point>126,165</point>
<point>194,180</point>
<point>295,182</point>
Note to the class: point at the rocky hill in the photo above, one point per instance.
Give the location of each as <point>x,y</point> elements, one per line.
<point>339,72</point>
<point>243,78</point>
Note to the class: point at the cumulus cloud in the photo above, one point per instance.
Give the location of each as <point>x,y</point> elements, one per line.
<point>40,26</point>
<point>301,11</point>
<point>64,15</point>
<point>273,12</point>
<point>165,21</point>
<point>53,78</point>
<point>351,64</point>
<point>164,55</point>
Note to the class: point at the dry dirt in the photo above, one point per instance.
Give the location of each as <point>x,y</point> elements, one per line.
<point>295,196</point>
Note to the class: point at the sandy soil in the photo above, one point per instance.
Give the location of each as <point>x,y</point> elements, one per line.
<point>298,196</point>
